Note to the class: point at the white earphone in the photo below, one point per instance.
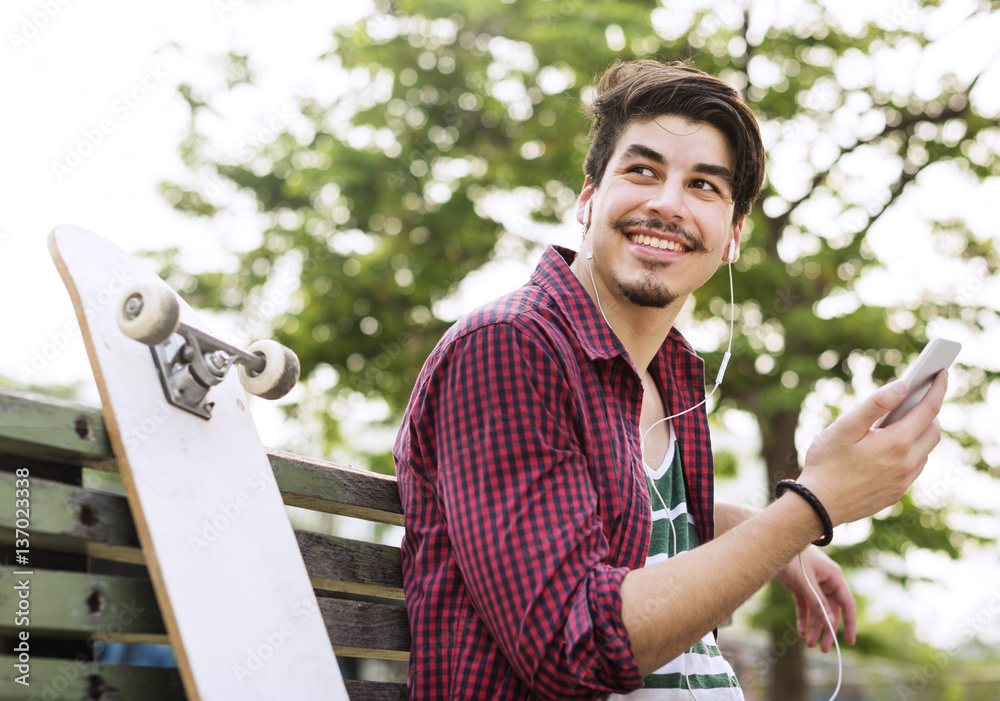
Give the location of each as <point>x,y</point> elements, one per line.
<point>732,250</point>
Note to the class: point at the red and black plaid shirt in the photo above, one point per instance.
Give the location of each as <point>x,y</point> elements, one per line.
<point>525,501</point>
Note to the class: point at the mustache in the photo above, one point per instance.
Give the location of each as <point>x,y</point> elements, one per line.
<point>686,237</point>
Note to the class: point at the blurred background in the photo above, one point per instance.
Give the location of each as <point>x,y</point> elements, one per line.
<point>349,178</point>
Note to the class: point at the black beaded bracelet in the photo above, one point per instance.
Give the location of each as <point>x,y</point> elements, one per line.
<point>784,485</point>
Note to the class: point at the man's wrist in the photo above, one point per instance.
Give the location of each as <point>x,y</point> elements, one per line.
<point>814,502</point>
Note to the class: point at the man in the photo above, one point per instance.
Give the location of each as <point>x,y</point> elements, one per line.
<point>546,497</point>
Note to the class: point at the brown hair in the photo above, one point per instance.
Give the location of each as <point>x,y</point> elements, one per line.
<point>646,89</point>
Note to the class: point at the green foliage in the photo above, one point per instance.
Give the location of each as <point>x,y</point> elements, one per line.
<point>71,391</point>
<point>726,465</point>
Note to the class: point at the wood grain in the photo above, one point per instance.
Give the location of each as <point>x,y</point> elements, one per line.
<point>323,486</point>
<point>363,629</point>
<point>60,679</point>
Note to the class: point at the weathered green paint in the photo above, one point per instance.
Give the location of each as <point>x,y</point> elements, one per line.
<point>73,604</point>
<point>78,678</point>
<point>323,486</point>
<point>73,519</point>
<point>55,430</point>
<point>67,518</point>
<point>44,428</point>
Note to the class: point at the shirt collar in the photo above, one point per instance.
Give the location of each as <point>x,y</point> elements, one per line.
<point>680,371</point>
<point>553,274</point>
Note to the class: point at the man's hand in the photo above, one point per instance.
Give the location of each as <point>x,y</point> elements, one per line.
<point>856,470</point>
<point>831,585</point>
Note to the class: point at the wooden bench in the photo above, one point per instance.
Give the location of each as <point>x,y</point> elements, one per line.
<point>89,583</point>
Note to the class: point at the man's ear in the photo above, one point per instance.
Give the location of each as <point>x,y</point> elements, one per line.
<point>586,194</point>
<point>737,236</point>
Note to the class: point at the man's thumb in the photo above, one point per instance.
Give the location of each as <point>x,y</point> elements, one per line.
<point>878,404</point>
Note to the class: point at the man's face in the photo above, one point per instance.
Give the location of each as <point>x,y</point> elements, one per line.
<point>661,220</point>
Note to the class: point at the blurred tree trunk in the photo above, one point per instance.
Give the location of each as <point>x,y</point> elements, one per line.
<point>788,681</point>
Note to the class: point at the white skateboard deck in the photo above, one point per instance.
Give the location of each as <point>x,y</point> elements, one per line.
<point>231,585</point>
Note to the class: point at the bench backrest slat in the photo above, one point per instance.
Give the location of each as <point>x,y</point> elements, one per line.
<point>352,566</point>
<point>362,690</point>
<point>73,519</point>
<point>78,605</point>
<point>336,489</point>
<point>50,429</point>
<point>74,679</point>
<point>364,629</point>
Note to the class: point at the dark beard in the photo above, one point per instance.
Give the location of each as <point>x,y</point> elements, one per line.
<point>645,293</point>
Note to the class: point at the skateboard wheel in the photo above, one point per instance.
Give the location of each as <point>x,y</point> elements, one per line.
<point>280,373</point>
<point>149,313</point>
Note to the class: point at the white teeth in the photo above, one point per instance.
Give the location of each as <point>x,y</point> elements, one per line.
<point>652,242</point>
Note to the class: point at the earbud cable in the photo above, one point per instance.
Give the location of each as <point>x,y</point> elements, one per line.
<point>829,625</point>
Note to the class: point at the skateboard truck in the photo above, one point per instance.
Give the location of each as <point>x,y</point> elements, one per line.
<point>190,362</point>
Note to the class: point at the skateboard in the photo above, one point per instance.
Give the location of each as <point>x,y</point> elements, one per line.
<point>232,588</point>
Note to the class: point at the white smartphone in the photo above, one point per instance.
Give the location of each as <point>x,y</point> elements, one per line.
<point>936,356</point>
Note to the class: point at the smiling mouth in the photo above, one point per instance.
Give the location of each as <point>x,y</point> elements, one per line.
<point>657,243</point>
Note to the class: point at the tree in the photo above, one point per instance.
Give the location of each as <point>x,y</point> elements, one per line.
<point>381,202</point>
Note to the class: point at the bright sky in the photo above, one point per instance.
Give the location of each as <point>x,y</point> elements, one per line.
<point>92,120</point>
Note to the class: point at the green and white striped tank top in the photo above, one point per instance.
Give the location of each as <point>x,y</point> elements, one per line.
<point>701,673</point>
